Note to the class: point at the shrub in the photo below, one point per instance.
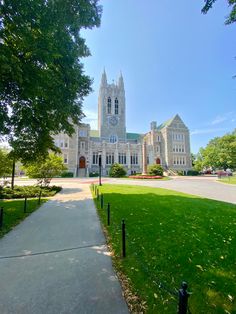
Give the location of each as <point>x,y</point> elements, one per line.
<point>93,174</point>
<point>192,173</point>
<point>155,170</point>
<point>180,172</point>
<point>28,191</point>
<point>117,171</point>
<point>67,175</point>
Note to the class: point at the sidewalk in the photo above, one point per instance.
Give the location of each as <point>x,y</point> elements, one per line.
<point>56,261</point>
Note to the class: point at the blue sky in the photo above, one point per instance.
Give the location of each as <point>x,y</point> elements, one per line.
<point>173,59</point>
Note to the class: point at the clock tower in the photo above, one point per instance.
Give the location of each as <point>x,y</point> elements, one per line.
<point>111,110</point>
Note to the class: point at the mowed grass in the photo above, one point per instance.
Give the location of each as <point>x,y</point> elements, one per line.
<point>173,237</point>
<point>14,212</point>
<point>229,180</point>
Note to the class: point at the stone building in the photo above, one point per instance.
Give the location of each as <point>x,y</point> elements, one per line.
<point>167,144</point>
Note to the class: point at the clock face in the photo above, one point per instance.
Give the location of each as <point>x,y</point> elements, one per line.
<point>113,120</point>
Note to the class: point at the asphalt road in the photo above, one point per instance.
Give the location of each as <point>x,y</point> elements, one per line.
<point>207,187</point>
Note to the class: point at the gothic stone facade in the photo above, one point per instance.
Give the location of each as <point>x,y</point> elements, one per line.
<point>167,144</point>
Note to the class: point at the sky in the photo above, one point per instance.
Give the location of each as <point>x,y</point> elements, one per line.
<point>173,60</point>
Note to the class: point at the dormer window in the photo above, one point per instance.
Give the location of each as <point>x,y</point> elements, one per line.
<point>116,106</point>
<point>109,105</point>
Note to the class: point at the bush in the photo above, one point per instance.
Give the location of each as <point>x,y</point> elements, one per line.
<point>192,173</point>
<point>155,170</point>
<point>180,172</point>
<point>28,191</point>
<point>117,171</point>
<point>93,174</point>
<point>67,175</point>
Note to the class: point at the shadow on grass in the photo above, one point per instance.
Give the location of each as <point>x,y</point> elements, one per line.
<point>173,237</point>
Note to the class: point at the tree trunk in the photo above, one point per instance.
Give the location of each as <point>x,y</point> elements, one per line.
<point>13,173</point>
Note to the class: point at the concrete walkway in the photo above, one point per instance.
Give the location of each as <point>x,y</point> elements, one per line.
<point>56,261</point>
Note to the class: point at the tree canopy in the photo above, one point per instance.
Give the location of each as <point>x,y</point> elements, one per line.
<point>42,79</point>
<point>220,153</point>
<point>5,163</point>
<point>45,170</point>
<point>232,16</point>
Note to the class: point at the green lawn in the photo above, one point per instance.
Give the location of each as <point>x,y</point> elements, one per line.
<point>173,237</point>
<point>229,180</point>
<point>14,212</point>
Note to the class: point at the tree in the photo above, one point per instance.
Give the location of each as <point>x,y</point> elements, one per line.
<point>198,163</point>
<point>117,171</point>
<point>42,79</point>
<point>45,170</point>
<point>220,153</point>
<point>155,170</point>
<point>5,163</point>
<point>232,16</point>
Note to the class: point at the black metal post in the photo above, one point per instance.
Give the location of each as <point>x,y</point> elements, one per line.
<point>40,194</point>
<point>1,217</point>
<point>101,199</point>
<point>108,214</point>
<point>25,204</point>
<point>183,298</point>
<point>100,169</point>
<point>123,239</point>
<point>98,195</point>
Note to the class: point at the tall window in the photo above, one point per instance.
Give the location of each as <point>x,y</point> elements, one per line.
<point>113,139</point>
<point>82,145</point>
<point>109,105</point>
<point>65,158</point>
<point>116,106</point>
<point>95,158</point>
<point>110,158</point>
<point>134,159</point>
<point>122,158</point>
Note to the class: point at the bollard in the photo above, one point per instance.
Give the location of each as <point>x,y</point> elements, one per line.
<point>101,201</point>
<point>1,217</point>
<point>108,214</point>
<point>183,298</point>
<point>123,239</point>
<point>98,196</point>
<point>25,204</point>
<point>40,194</point>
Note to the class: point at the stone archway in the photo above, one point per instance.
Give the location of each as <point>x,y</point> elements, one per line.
<point>158,161</point>
<point>82,162</point>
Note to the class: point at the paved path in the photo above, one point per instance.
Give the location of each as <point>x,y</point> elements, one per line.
<point>56,261</point>
<point>203,186</point>
<point>207,187</point>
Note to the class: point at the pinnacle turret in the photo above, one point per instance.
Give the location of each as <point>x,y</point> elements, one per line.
<point>121,81</point>
<point>104,79</point>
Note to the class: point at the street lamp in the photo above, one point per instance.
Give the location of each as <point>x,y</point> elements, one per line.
<point>100,168</point>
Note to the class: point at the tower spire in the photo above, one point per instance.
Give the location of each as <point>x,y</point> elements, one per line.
<point>104,78</point>
<point>121,81</point>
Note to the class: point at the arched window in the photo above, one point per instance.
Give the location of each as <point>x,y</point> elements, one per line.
<point>116,106</point>
<point>113,139</point>
<point>109,105</point>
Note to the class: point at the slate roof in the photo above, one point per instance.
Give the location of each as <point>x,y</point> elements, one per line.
<point>130,136</point>
<point>133,136</point>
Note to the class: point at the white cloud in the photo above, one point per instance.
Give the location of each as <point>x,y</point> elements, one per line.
<point>218,120</point>
<point>228,116</point>
<point>206,131</point>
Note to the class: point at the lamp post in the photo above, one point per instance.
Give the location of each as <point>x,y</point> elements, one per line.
<point>100,168</point>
